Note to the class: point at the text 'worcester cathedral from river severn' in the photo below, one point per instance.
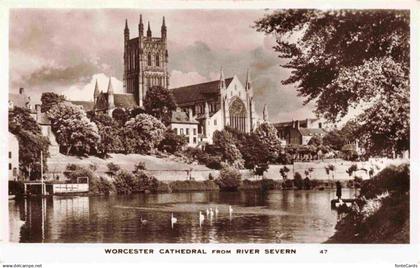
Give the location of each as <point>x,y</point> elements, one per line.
<point>210,106</point>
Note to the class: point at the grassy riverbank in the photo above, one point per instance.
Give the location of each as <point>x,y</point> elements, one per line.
<point>382,211</point>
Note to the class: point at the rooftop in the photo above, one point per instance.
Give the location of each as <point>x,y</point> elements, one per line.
<point>182,117</point>
<point>197,92</point>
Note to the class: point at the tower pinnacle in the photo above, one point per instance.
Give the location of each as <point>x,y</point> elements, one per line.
<point>163,28</point>
<point>96,91</point>
<point>265,113</point>
<point>222,78</point>
<point>110,95</point>
<point>149,32</point>
<point>141,27</point>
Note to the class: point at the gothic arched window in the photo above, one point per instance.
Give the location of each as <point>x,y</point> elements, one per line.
<point>149,59</point>
<point>157,60</point>
<point>237,113</point>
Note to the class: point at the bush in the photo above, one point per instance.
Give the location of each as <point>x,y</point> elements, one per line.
<point>124,182</point>
<point>96,185</point>
<point>182,186</point>
<point>172,142</point>
<point>267,184</point>
<point>357,182</point>
<point>307,185</point>
<point>145,183</point>
<point>394,179</point>
<point>229,179</point>
<point>113,168</point>
<point>283,172</point>
<point>210,161</point>
<point>127,183</point>
<point>298,181</point>
<point>381,214</point>
<point>287,184</point>
<point>261,168</point>
<point>140,166</point>
<point>101,186</point>
<point>204,158</point>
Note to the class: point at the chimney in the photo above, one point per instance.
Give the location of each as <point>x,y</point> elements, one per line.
<point>21,90</point>
<point>38,112</point>
<point>190,114</point>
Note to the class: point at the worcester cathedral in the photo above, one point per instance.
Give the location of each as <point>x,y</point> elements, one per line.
<point>206,107</point>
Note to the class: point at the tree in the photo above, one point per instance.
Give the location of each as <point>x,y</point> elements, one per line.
<point>120,116</point>
<point>140,166</point>
<point>31,142</point>
<point>334,139</point>
<point>315,141</point>
<point>144,133</point>
<point>343,59</point>
<point>75,133</point>
<point>267,134</point>
<point>136,111</point>
<point>172,142</point>
<point>224,143</point>
<point>110,132</point>
<point>49,99</point>
<point>330,169</point>
<point>159,102</point>
<point>113,168</point>
<point>283,172</point>
<point>353,168</point>
<point>255,153</point>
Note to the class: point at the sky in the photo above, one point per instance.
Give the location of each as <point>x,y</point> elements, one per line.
<point>66,51</point>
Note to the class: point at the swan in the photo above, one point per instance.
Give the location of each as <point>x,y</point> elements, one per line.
<point>200,218</point>
<point>173,220</point>
<point>211,213</point>
<point>216,210</point>
<point>230,211</point>
<point>207,212</point>
<point>142,221</point>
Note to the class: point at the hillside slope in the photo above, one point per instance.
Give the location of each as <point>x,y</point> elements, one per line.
<point>166,169</point>
<point>382,211</point>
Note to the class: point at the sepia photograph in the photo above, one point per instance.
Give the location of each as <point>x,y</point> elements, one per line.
<point>250,126</point>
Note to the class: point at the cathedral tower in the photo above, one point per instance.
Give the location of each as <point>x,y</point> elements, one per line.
<point>145,61</point>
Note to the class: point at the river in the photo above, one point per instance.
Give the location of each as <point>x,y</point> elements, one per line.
<point>271,217</point>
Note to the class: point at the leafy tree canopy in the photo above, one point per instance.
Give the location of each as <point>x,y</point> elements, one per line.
<point>159,102</point>
<point>145,132</point>
<point>75,133</point>
<point>344,59</point>
<point>31,141</point>
<point>48,99</point>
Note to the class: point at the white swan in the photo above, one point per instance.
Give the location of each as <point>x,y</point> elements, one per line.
<point>173,220</point>
<point>211,213</point>
<point>230,211</point>
<point>216,210</point>
<point>142,221</point>
<point>200,218</point>
<point>207,212</point>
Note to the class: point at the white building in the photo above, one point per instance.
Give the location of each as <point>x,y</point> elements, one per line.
<point>13,157</point>
<point>185,125</point>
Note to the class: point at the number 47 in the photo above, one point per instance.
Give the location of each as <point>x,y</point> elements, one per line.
<point>323,251</point>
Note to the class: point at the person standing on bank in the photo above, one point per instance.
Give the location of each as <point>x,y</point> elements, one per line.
<point>338,189</point>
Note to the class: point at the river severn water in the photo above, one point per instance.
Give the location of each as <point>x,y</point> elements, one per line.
<point>270,217</point>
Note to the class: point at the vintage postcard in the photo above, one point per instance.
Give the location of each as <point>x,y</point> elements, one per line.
<point>259,128</point>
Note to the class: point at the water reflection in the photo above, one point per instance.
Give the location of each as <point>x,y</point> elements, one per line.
<point>273,217</point>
